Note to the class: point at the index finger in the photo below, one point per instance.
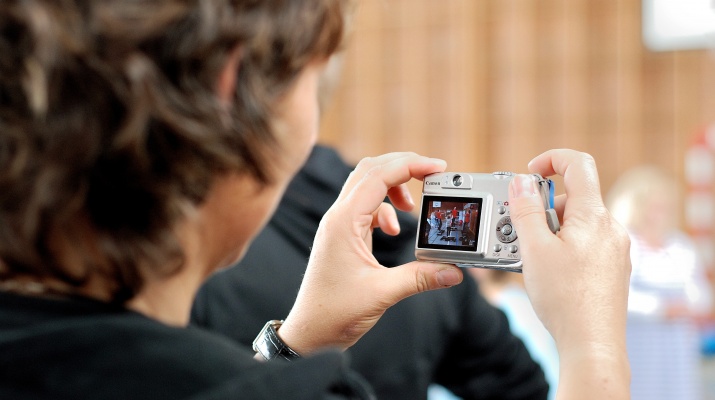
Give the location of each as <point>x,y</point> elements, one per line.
<point>363,166</point>
<point>371,183</point>
<point>581,181</point>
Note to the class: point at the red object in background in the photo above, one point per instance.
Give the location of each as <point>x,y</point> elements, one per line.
<point>699,202</point>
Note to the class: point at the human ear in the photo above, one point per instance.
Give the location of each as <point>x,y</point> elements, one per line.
<point>329,79</point>
<point>226,81</point>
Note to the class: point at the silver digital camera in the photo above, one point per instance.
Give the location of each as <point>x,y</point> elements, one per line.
<point>465,220</point>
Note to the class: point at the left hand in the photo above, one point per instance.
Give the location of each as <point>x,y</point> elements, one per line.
<point>345,290</point>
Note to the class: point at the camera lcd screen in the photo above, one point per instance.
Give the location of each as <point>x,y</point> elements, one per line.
<point>450,223</point>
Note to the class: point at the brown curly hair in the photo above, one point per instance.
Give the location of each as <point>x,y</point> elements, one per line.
<point>110,124</point>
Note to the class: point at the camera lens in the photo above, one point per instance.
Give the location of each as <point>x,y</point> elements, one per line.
<point>457,180</point>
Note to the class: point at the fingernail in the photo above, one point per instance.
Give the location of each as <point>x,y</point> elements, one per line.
<point>523,186</point>
<point>439,161</point>
<point>448,277</point>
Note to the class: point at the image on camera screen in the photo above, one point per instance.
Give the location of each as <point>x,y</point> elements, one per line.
<point>450,223</point>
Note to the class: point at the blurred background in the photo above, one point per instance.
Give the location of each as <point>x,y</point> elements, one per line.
<point>489,84</point>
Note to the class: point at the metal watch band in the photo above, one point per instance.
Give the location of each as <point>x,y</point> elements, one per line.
<point>270,346</point>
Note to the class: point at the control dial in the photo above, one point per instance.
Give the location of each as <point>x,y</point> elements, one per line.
<point>505,230</point>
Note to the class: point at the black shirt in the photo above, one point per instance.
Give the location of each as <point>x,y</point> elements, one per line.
<point>448,336</point>
<point>84,349</point>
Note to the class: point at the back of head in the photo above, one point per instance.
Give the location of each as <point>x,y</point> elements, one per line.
<point>645,198</point>
<point>111,132</point>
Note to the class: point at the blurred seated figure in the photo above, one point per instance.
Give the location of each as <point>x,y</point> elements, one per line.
<point>669,290</point>
<point>453,337</point>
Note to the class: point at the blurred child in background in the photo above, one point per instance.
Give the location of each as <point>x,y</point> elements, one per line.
<point>669,290</point>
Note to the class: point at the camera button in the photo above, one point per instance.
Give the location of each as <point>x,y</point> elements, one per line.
<point>497,248</point>
<point>506,229</point>
<point>513,248</point>
<point>501,210</point>
<point>502,174</point>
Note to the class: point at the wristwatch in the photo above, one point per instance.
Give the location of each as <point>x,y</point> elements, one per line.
<point>270,346</point>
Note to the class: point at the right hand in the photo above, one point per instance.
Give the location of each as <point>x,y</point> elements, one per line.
<point>345,290</point>
<point>578,279</point>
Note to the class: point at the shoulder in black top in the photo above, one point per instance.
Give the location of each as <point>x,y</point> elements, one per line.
<point>83,349</point>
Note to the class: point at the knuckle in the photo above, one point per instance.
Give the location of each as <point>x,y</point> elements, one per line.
<point>367,166</point>
<point>621,234</point>
<point>372,171</point>
<point>622,244</point>
<point>580,158</point>
<point>365,163</point>
<point>411,154</point>
<point>353,174</point>
<point>617,236</point>
<point>588,158</point>
<point>590,163</point>
<point>421,282</point>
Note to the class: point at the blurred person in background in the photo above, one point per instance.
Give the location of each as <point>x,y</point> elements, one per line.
<point>669,289</point>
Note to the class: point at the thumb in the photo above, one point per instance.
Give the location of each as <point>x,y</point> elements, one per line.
<point>527,210</point>
<point>417,277</point>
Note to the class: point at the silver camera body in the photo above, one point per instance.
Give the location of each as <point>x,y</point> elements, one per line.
<point>465,220</point>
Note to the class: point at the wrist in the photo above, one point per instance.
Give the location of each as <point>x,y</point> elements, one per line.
<point>306,338</point>
<point>269,346</point>
<point>581,338</point>
<point>298,338</point>
<point>594,370</point>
